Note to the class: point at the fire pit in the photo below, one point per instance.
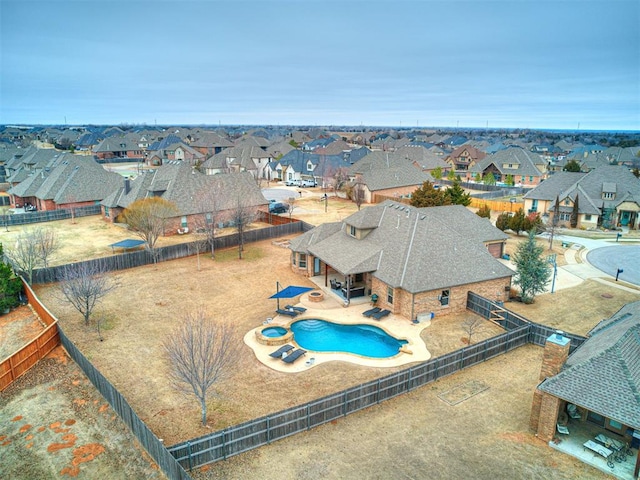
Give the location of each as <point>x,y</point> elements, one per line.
<point>316,296</point>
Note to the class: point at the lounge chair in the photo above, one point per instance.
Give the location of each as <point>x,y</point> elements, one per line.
<point>283,349</point>
<point>608,442</point>
<point>295,309</point>
<point>562,429</point>
<point>371,311</point>
<point>573,412</point>
<point>291,313</point>
<point>381,314</point>
<point>292,357</point>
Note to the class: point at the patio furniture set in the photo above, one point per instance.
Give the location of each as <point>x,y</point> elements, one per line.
<point>285,353</point>
<point>376,312</point>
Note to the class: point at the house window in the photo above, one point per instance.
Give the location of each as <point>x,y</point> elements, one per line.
<point>352,231</point>
<point>106,212</point>
<point>444,298</point>
<point>303,260</point>
<point>565,217</point>
<point>208,218</point>
<point>183,222</point>
<point>587,218</point>
<point>567,201</point>
<point>534,206</point>
<point>608,195</point>
<point>595,418</point>
<point>293,258</point>
<point>531,178</point>
<point>390,295</point>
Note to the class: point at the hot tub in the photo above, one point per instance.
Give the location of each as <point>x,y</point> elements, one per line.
<point>273,335</point>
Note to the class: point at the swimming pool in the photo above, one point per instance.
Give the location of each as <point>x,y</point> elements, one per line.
<point>361,339</point>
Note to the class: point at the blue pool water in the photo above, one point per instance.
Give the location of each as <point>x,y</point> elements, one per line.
<point>273,332</point>
<point>366,340</point>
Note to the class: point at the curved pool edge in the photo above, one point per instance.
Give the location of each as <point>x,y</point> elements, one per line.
<point>397,327</point>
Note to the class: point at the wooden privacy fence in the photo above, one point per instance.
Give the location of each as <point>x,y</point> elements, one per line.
<point>509,320</point>
<point>25,358</point>
<point>140,258</point>
<point>496,205</point>
<point>255,433</point>
<point>48,215</point>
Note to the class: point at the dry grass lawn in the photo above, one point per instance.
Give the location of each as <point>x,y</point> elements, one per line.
<point>416,436</point>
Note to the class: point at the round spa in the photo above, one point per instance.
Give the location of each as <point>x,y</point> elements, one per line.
<point>273,335</point>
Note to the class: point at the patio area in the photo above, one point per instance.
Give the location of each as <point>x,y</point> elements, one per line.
<point>582,432</point>
<point>332,308</point>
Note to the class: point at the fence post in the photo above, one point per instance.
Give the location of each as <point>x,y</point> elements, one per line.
<point>308,417</point>
<point>409,379</point>
<point>268,430</point>
<point>224,444</point>
<point>344,404</point>
<point>189,453</point>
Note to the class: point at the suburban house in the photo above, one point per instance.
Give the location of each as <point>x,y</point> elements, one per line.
<point>239,159</point>
<point>197,196</point>
<point>300,165</point>
<point>423,158</point>
<point>210,143</point>
<point>464,157</point>
<point>596,388</point>
<point>118,147</point>
<point>415,260</point>
<point>524,167</point>
<point>387,174</point>
<point>67,181</point>
<point>608,197</point>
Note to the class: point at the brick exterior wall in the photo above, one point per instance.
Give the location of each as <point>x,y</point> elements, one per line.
<point>410,306</point>
<point>545,407</point>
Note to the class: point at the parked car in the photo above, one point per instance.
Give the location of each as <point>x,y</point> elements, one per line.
<point>292,183</point>
<point>308,183</point>
<point>278,207</point>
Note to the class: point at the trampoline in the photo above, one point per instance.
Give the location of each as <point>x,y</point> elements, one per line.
<point>127,244</point>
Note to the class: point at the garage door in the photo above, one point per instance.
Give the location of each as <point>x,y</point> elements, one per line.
<point>495,249</point>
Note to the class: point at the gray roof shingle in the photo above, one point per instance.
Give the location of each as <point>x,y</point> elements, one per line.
<point>603,374</point>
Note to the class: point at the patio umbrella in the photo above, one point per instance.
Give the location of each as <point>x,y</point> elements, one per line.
<point>288,292</point>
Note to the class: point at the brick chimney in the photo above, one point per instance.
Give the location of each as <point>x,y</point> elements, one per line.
<point>545,407</point>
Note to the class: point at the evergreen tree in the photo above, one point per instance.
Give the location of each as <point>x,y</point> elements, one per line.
<point>574,213</point>
<point>10,285</point>
<point>427,196</point>
<point>509,180</point>
<point>502,222</point>
<point>532,270</point>
<point>517,222</point>
<point>484,211</point>
<point>457,195</point>
<point>489,179</point>
<point>572,166</point>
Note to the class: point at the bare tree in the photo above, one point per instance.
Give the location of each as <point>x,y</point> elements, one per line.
<point>201,353</point>
<point>242,216</point>
<point>340,178</point>
<point>148,218</point>
<point>358,194</point>
<point>471,326</point>
<point>291,206</point>
<point>84,285</point>
<point>47,243</point>
<point>210,204</point>
<point>32,250</point>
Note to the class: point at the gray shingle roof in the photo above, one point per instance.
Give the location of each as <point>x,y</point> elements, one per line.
<point>417,249</point>
<point>524,162</point>
<point>603,374</point>
<point>188,189</point>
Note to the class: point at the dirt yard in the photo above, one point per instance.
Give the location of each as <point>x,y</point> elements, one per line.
<point>421,436</point>
<point>54,424</point>
<point>18,328</point>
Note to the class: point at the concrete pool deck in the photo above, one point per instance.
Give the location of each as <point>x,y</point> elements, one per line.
<point>331,309</point>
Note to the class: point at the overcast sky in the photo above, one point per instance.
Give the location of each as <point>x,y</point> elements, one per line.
<point>519,63</point>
